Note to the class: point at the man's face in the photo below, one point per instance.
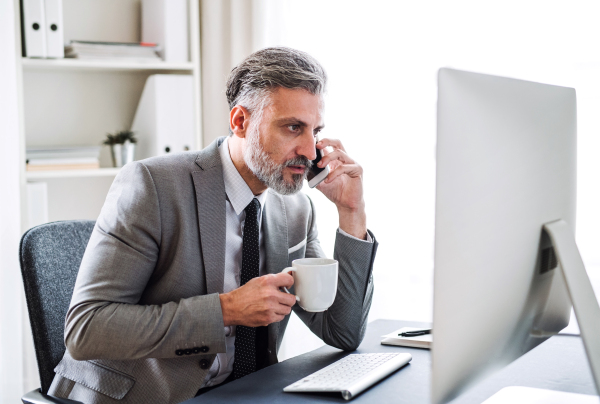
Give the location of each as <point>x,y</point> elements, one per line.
<point>280,147</point>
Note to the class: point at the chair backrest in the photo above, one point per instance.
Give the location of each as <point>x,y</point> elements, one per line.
<point>50,256</point>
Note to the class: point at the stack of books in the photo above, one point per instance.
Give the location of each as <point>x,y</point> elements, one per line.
<point>132,52</point>
<point>63,158</point>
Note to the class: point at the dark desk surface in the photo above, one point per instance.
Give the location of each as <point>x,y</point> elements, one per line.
<point>558,364</point>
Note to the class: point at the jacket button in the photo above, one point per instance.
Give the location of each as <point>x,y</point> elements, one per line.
<point>196,350</point>
<point>204,349</point>
<point>188,351</point>
<point>179,352</point>
<point>204,364</point>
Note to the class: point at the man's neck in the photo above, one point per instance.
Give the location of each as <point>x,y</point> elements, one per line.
<point>237,156</point>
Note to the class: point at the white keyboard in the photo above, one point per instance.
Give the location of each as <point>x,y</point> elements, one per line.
<point>351,375</point>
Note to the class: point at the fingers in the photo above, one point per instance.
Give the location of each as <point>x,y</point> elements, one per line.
<point>273,319</point>
<point>338,155</point>
<point>287,299</point>
<point>275,311</point>
<point>283,310</point>
<point>352,170</point>
<point>336,144</point>
<point>277,319</point>
<point>278,312</point>
<point>280,279</point>
<point>261,302</point>
<point>272,309</point>
<point>273,282</point>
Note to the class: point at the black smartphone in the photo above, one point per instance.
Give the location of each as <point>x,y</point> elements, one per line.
<point>317,174</point>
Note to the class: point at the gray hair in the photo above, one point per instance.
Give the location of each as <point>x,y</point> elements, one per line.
<point>251,82</point>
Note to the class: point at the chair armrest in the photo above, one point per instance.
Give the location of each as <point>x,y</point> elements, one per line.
<point>37,397</point>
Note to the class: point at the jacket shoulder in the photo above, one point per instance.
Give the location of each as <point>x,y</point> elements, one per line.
<point>173,162</point>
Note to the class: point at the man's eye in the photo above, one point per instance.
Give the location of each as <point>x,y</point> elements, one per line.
<point>294,128</point>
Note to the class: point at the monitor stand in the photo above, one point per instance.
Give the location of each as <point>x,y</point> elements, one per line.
<point>587,312</point>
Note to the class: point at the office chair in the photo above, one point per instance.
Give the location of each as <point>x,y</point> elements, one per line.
<point>50,255</point>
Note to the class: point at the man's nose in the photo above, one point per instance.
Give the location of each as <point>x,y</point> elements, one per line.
<point>307,147</point>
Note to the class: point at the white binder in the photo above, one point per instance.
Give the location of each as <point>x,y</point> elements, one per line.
<point>54,29</point>
<point>164,120</point>
<point>33,28</point>
<point>168,27</point>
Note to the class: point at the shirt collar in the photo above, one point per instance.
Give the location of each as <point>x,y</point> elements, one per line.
<point>238,192</point>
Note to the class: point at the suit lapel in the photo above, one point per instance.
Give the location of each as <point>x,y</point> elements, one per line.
<point>210,202</point>
<point>275,233</point>
<point>274,222</point>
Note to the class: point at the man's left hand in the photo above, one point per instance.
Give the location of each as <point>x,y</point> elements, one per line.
<point>343,186</point>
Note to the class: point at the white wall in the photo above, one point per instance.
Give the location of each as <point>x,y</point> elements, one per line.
<point>382,58</point>
<point>11,159</point>
<point>230,31</point>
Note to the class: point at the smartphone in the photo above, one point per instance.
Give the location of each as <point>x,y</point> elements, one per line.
<point>317,174</point>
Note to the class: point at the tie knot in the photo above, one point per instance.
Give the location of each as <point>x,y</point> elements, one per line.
<point>252,208</point>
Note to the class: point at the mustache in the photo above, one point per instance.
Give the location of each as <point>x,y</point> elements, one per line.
<point>300,160</point>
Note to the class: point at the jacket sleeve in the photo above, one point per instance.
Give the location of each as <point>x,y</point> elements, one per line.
<point>343,325</point>
<point>105,319</point>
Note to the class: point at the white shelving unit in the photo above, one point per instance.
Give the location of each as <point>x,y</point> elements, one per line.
<point>98,66</point>
<point>56,174</point>
<point>68,102</point>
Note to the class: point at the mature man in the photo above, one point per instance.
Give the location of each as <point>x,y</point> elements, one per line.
<point>178,289</point>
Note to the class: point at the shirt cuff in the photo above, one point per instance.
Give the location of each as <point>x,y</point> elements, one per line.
<point>368,240</point>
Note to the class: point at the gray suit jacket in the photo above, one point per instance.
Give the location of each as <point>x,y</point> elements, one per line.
<point>149,282</point>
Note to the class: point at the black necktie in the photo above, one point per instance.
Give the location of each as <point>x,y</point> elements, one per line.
<point>250,343</point>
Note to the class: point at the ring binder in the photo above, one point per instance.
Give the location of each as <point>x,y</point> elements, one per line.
<point>54,29</point>
<point>33,29</point>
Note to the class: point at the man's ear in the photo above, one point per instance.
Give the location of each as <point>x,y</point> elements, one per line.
<point>239,119</point>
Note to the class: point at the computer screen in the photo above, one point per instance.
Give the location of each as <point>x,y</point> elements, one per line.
<point>506,166</point>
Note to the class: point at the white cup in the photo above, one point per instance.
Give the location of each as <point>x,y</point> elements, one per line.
<point>315,282</point>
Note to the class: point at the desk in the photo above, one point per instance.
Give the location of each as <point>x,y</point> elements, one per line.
<point>558,364</point>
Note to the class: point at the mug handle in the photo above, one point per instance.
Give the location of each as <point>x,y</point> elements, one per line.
<point>288,270</point>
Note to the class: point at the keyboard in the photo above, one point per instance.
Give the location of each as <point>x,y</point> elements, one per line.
<point>351,375</point>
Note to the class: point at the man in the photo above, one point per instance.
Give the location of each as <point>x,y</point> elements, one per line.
<point>179,287</point>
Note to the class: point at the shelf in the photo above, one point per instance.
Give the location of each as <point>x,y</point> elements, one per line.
<point>104,65</point>
<point>99,172</point>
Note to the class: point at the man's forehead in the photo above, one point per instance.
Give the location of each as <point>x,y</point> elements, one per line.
<point>296,104</point>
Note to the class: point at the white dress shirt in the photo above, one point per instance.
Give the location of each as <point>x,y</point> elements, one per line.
<point>239,195</point>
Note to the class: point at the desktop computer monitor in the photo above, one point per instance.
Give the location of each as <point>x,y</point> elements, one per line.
<point>506,264</point>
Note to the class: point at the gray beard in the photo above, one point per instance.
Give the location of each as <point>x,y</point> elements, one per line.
<point>269,172</point>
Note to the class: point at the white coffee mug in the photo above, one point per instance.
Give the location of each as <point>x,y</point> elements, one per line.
<point>315,282</point>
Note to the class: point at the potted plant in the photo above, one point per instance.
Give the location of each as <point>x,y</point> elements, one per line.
<point>122,147</point>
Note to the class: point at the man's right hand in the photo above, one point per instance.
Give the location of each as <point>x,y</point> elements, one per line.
<point>259,302</point>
